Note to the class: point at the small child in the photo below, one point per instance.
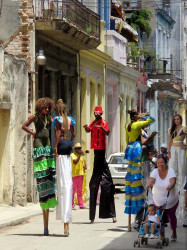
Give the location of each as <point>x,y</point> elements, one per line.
<point>78,167</point>
<point>151,222</point>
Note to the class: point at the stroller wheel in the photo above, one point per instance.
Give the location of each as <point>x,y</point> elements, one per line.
<point>167,241</point>
<point>135,243</point>
<point>142,240</point>
<point>146,241</point>
<point>138,243</point>
<point>163,242</point>
<point>159,244</point>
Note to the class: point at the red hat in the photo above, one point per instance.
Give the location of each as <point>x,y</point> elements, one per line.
<point>98,109</point>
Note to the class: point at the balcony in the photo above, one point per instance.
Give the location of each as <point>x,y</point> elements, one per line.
<point>68,22</point>
<point>131,5</point>
<point>115,46</point>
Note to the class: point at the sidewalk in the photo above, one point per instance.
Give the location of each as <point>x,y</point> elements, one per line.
<point>11,216</point>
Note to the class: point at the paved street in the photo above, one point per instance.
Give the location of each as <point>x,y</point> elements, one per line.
<point>103,234</point>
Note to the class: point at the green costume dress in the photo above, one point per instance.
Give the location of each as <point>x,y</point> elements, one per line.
<point>44,165</point>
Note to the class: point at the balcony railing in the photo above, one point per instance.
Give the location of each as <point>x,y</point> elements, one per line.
<point>71,11</point>
<point>131,5</point>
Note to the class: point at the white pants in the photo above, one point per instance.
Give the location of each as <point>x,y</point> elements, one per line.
<point>178,162</point>
<point>64,188</point>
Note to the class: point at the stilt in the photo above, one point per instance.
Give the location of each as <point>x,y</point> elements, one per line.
<point>129,223</point>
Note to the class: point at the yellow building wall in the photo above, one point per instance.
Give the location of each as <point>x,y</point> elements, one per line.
<point>92,86</point>
<point>5,176</point>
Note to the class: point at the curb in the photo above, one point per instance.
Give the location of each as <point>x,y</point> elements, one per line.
<point>15,222</point>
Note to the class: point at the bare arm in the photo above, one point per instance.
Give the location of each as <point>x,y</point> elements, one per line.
<point>58,133</point>
<point>86,128</point>
<point>150,183</point>
<point>172,183</point>
<point>107,132</point>
<point>51,119</point>
<point>72,130</point>
<point>158,220</point>
<point>27,123</point>
<point>75,161</point>
<point>146,219</point>
<point>169,146</point>
<point>151,137</point>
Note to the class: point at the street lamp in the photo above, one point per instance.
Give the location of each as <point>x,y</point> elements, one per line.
<point>40,58</point>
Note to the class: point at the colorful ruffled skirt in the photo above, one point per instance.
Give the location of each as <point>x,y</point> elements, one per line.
<point>44,172</point>
<point>134,190</point>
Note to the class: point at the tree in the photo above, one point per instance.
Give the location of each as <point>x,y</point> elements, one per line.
<point>140,21</point>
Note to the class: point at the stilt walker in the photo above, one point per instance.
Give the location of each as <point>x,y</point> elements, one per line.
<point>134,190</point>
<point>101,173</point>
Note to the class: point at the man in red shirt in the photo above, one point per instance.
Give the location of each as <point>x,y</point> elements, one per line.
<point>101,173</point>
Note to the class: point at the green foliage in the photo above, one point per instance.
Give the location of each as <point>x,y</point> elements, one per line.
<point>88,30</point>
<point>140,20</point>
<point>134,51</point>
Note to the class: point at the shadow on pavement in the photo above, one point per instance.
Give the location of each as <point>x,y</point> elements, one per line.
<point>126,241</point>
<point>39,235</point>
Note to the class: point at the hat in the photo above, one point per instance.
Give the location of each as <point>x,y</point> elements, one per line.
<point>163,145</point>
<point>77,145</point>
<point>98,109</point>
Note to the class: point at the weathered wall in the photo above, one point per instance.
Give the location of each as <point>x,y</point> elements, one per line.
<point>9,19</point>
<point>17,40</point>
<point>175,12</point>
<point>13,146</point>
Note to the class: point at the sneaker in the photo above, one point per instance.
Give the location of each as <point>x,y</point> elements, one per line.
<point>151,236</point>
<point>173,239</point>
<point>146,236</point>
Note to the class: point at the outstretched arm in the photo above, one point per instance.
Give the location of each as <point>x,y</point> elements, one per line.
<point>150,183</point>
<point>150,139</point>
<point>172,182</point>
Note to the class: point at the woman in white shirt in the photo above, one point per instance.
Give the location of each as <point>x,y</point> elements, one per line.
<point>163,180</point>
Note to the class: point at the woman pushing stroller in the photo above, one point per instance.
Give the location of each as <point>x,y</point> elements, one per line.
<point>162,181</point>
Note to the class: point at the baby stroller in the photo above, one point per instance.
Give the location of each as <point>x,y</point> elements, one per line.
<point>139,226</point>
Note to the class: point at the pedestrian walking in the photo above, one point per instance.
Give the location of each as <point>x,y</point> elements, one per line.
<point>78,168</point>
<point>44,165</point>
<point>63,146</point>
<point>162,181</point>
<point>178,160</point>
<point>134,190</point>
<point>101,174</point>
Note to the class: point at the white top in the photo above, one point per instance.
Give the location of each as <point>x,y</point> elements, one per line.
<point>153,218</point>
<point>160,189</point>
